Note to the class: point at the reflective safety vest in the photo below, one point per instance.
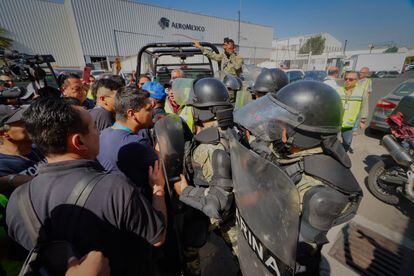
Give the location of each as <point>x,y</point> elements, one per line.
<point>352,106</point>
<point>365,84</point>
<point>167,107</point>
<point>186,113</point>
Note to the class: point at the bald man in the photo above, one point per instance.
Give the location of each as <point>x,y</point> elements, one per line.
<point>365,82</point>
<point>176,73</point>
<point>332,76</point>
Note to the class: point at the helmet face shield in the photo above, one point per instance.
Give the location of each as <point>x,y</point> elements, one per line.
<point>267,118</point>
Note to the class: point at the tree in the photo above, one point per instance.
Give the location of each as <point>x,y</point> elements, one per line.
<point>393,49</point>
<point>315,44</point>
<point>4,41</point>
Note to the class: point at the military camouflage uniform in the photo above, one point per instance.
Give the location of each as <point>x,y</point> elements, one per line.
<point>202,164</point>
<point>308,252</point>
<point>231,64</point>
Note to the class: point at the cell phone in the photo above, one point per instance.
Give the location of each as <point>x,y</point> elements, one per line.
<point>86,74</point>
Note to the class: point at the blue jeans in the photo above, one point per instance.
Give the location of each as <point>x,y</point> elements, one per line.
<point>348,135</point>
<point>347,138</point>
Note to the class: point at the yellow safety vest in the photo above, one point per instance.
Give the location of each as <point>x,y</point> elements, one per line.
<point>167,107</point>
<point>352,106</point>
<point>365,84</point>
<point>186,113</point>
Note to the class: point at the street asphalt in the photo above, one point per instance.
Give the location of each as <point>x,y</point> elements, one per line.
<point>394,223</point>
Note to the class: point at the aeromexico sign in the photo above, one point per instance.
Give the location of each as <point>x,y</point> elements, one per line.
<point>166,23</point>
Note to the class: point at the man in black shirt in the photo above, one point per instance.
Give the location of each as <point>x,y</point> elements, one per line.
<point>103,113</point>
<point>18,160</point>
<point>116,218</point>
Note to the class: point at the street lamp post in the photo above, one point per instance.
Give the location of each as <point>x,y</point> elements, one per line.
<point>238,34</point>
<point>346,41</point>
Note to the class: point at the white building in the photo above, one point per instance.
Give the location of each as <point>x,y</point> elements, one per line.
<point>96,31</point>
<point>286,53</point>
<point>285,49</point>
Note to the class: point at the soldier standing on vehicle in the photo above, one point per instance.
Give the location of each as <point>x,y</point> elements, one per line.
<point>231,62</point>
<point>303,178</point>
<point>208,162</point>
<point>355,104</point>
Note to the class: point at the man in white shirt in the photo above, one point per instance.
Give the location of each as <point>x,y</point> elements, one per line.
<point>332,76</point>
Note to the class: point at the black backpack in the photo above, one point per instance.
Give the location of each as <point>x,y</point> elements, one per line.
<point>51,257</point>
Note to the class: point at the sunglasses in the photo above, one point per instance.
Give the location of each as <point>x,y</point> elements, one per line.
<point>349,79</point>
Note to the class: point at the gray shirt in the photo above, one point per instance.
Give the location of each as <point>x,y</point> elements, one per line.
<point>116,219</point>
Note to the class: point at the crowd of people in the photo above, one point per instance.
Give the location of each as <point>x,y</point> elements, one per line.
<point>87,170</point>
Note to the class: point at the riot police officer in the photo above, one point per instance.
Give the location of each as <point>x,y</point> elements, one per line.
<point>269,80</point>
<point>207,158</point>
<point>304,173</point>
<point>233,85</point>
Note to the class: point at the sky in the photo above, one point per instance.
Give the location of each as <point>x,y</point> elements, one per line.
<point>360,22</point>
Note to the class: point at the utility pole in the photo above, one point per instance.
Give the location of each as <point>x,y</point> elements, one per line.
<point>238,34</point>
<point>116,44</point>
<point>346,42</point>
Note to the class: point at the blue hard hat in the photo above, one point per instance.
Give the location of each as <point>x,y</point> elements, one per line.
<point>155,89</point>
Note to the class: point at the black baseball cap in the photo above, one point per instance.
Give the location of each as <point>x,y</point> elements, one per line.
<point>10,115</point>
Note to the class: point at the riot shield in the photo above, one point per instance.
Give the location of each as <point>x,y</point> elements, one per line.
<point>250,73</point>
<point>243,97</point>
<point>267,213</point>
<point>182,89</point>
<point>171,133</point>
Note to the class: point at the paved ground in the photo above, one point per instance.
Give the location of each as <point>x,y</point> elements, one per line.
<point>394,223</point>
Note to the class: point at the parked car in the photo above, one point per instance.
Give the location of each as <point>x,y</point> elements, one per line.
<point>385,74</point>
<point>317,75</point>
<point>59,71</point>
<point>295,74</point>
<point>409,67</point>
<point>386,105</point>
<point>96,73</point>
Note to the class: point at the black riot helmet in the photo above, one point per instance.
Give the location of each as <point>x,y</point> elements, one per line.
<point>320,105</point>
<point>281,78</point>
<point>270,80</point>
<point>209,95</point>
<point>307,111</point>
<point>232,83</point>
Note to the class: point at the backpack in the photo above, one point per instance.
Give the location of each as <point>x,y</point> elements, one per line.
<point>51,257</point>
